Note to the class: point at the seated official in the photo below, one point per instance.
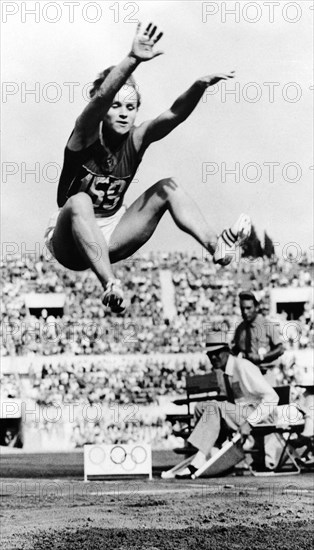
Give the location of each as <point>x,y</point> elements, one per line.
<point>250,400</point>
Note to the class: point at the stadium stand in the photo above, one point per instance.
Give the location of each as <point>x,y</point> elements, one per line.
<point>203,296</point>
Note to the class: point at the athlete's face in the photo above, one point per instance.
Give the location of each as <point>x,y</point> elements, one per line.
<point>122,113</point>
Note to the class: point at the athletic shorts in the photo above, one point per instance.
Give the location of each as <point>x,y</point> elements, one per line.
<point>107,226</point>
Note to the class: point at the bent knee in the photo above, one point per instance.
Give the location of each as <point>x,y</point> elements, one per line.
<point>205,406</point>
<point>80,204</point>
<point>167,182</point>
<point>211,408</point>
<point>167,186</point>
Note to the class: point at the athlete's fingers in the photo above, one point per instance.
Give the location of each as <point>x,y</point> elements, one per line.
<point>148,28</point>
<point>152,32</point>
<point>223,76</point>
<point>220,75</point>
<point>158,37</point>
<point>158,53</point>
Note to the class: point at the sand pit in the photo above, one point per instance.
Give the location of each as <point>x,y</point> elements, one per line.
<point>223,513</point>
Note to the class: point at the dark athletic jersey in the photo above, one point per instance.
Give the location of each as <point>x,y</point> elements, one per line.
<point>103,176</point>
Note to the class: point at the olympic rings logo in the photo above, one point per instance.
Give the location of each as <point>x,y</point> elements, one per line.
<point>117,456</point>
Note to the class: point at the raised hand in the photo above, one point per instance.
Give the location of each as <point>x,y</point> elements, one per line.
<point>212,79</point>
<point>144,42</point>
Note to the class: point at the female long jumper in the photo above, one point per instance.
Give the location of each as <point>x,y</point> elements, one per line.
<point>93,228</point>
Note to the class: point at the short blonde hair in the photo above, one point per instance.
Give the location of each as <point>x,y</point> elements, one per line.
<point>102,77</point>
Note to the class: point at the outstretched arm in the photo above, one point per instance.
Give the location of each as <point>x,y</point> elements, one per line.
<point>156,129</point>
<point>86,127</point>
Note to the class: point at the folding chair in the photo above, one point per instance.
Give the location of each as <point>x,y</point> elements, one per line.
<point>284,434</point>
<point>289,460</point>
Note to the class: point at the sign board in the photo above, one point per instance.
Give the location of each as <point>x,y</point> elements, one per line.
<point>47,300</point>
<point>289,295</point>
<point>117,461</point>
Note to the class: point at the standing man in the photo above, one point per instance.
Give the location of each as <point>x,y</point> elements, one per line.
<point>257,338</point>
<point>250,400</point>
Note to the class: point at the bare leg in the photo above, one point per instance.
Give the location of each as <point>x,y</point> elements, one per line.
<point>78,241</point>
<point>142,217</point>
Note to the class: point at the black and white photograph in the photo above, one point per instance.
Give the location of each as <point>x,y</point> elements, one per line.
<point>157,255</point>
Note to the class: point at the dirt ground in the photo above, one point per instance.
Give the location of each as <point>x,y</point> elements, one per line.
<point>242,513</point>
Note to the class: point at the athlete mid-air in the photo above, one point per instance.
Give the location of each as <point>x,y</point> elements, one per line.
<point>93,228</point>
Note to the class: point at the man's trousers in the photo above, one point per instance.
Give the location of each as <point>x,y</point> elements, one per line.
<point>214,420</point>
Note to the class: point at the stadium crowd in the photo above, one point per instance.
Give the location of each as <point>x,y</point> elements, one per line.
<point>9,386</point>
<point>113,380</point>
<point>206,298</point>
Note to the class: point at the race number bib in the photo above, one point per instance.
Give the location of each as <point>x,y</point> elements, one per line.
<point>105,191</point>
